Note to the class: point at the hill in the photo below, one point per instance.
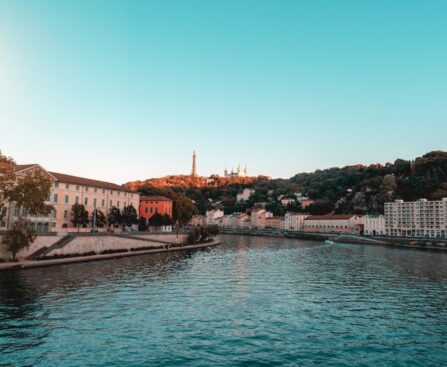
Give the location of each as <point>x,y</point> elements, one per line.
<point>185,181</point>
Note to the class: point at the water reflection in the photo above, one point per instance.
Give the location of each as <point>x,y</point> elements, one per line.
<point>251,301</point>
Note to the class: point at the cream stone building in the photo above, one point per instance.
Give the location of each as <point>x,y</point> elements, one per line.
<point>374,225</point>
<point>342,224</point>
<point>420,218</point>
<point>67,190</point>
<point>294,221</point>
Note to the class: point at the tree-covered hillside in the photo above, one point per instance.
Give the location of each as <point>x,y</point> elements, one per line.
<point>352,189</point>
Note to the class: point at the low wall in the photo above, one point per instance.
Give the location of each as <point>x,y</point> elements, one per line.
<point>40,242</point>
<point>85,243</point>
<point>98,244</point>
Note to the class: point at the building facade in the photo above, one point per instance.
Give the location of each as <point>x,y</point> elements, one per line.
<point>151,205</point>
<point>420,218</point>
<point>244,195</point>
<point>340,224</point>
<point>67,190</point>
<point>294,221</point>
<point>214,217</point>
<point>374,225</point>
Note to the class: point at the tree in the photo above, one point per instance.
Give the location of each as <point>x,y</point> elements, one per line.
<point>31,192</point>
<point>100,218</point>
<point>79,216</point>
<point>142,224</point>
<point>20,236</point>
<point>321,207</point>
<point>129,216</point>
<point>114,217</point>
<point>166,220</point>
<point>156,220</point>
<point>213,230</point>
<point>7,180</point>
<point>193,235</point>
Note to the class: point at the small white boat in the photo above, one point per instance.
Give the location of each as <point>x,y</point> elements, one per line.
<point>329,242</point>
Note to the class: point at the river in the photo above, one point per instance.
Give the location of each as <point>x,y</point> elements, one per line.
<point>252,301</point>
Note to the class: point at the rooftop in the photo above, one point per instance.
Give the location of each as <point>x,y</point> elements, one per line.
<point>330,217</point>
<point>154,198</point>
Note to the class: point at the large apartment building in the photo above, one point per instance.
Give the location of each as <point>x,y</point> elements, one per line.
<point>420,218</point>
<point>67,190</point>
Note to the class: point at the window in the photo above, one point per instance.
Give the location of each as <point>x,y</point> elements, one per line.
<point>66,199</point>
<point>77,200</point>
<point>96,190</point>
<point>86,188</point>
<point>56,184</point>
<point>119,193</point>
<point>55,198</point>
<point>103,203</point>
<point>77,187</point>
<point>111,203</point>
<point>103,191</point>
<point>125,194</point>
<point>67,186</point>
<point>117,204</point>
<point>94,202</point>
<point>111,192</point>
<point>131,195</point>
<point>65,214</point>
<point>85,201</point>
<point>145,210</point>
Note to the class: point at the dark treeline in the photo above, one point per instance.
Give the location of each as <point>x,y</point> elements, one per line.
<point>352,189</point>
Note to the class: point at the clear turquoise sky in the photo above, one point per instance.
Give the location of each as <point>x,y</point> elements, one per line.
<point>124,90</point>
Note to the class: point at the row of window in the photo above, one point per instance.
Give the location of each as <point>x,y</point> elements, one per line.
<point>86,201</point>
<point>155,210</point>
<point>86,188</point>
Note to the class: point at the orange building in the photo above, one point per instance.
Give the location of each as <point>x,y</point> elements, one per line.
<point>150,205</point>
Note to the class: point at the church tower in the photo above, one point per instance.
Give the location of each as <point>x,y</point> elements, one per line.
<point>194,169</point>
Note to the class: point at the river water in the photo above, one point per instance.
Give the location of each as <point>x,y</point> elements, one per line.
<point>249,302</point>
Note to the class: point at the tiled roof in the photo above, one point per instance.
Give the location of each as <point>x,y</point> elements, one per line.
<point>154,198</point>
<point>21,167</point>
<point>330,217</point>
<point>61,177</point>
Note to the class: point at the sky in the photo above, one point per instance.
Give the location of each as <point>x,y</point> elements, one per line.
<point>126,90</point>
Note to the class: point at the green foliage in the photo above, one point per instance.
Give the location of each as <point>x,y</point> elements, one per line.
<point>7,179</point>
<point>20,236</point>
<point>79,216</point>
<point>355,189</point>
<point>142,224</point>
<point>31,191</point>
<point>194,235</point>
<point>129,216</point>
<point>156,220</point>
<point>100,218</point>
<point>213,230</point>
<point>114,218</point>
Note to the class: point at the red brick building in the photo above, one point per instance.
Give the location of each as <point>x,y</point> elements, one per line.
<point>150,205</point>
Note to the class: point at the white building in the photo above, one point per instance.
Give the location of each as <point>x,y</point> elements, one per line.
<point>294,221</point>
<point>420,218</point>
<point>214,216</point>
<point>244,195</point>
<point>374,225</point>
<point>287,201</point>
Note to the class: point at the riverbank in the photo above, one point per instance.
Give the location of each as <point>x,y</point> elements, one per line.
<point>78,259</point>
<point>432,244</point>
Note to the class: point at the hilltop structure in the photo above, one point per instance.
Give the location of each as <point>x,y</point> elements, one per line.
<point>194,167</point>
<point>239,172</point>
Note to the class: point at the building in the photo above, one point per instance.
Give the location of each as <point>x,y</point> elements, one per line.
<point>214,217</point>
<point>287,201</point>
<point>294,221</point>
<point>67,190</point>
<point>374,225</point>
<point>342,224</point>
<point>243,221</point>
<point>198,220</point>
<point>230,220</point>
<point>244,195</point>
<point>258,217</point>
<point>151,205</point>
<point>273,223</point>
<point>420,218</point>
<point>239,172</point>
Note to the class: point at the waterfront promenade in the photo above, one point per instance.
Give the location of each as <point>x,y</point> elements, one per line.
<point>76,259</point>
